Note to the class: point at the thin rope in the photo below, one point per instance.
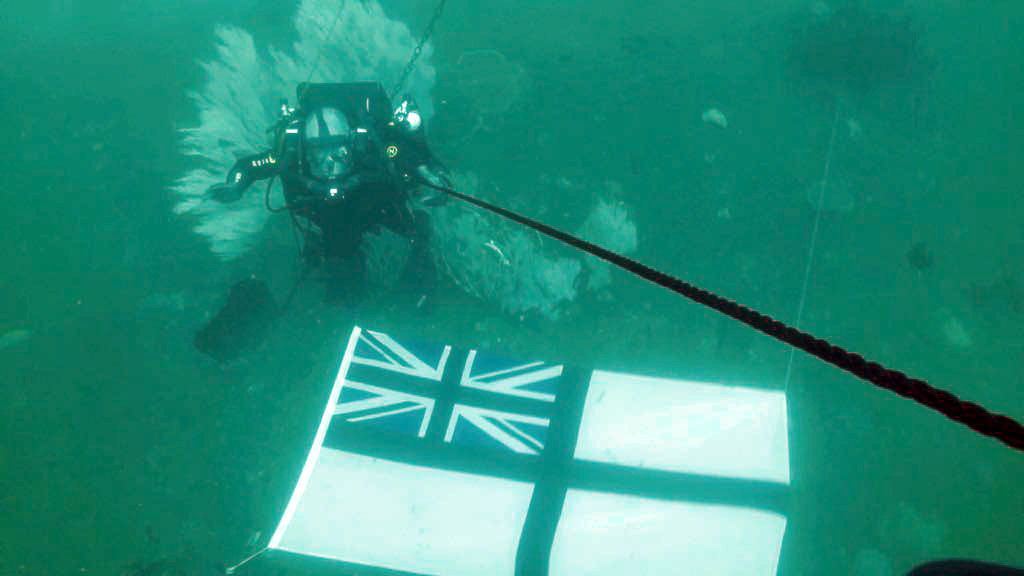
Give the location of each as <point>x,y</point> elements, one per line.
<point>327,38</point>
<point>231,569</point>
<point>813,244</point>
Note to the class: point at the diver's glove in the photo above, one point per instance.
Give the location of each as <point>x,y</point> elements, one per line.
<point>225,193</point>
<point>246,170</point>
<point>434,183</point>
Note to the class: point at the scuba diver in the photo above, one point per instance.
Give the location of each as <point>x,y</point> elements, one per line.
<point>349,163</point>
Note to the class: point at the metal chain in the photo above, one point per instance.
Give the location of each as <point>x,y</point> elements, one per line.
<point>419,48</point>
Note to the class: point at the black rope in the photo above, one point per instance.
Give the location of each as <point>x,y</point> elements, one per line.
<point>970,414</point>
<point>976,417</point>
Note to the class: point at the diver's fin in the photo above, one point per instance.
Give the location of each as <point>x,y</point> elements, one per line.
<point>240,324</point>
<point>226,193</point>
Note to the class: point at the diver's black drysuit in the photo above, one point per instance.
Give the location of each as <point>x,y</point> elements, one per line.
<point>383,163</point>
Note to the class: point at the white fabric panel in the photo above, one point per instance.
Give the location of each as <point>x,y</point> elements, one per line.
<point>608,534</point>
<point>404,517</point>
<point>682,426</point>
